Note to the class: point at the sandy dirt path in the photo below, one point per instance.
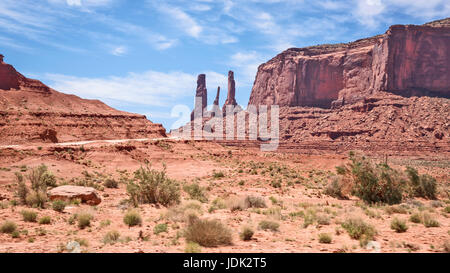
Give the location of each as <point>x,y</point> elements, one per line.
<point>86,142</point>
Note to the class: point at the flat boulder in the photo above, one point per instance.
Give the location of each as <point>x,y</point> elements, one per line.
<point>87,195</point>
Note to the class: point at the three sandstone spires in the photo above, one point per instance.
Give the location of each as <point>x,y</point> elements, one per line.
<point>201,96</point>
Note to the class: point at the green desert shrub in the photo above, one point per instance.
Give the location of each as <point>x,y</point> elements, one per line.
<point>399,225</point>
<point>192,247</point>
<point>22,189</point>
<point>325,238</point>
<point>196,192</point>
<point>45,220</point>
<point>268,225</point>
<point>15,234</point>
<point>246,234</point>
<point>41,178</point>
<point>422,185</point>
<point>29,215</point>
<point>358,229</point>
<point>379,183</point>
<point>153,187</point>
<point>8,227</point>
<point>218,175</point>
<point>447,209</point>
<point>84,220</point>
<point>132,218</point>
<point>216,204</point>
<point>59,205</point>
<point>208,233</point>
<point>160,228</point>
<point>415,218</point>
<point>373,183</point>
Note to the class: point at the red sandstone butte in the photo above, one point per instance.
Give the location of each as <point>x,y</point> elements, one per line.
<point>30,111</point>
<point>407,60</point>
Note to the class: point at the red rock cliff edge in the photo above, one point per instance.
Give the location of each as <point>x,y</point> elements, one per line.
<point>30,111</point>
<point>407,60</point>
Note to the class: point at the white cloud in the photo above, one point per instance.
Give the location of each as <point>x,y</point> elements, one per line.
<point>74,2</point>
<point>119,51</point>
<point>246,64</point>
<point>367,11</point>
<point>183,20</point>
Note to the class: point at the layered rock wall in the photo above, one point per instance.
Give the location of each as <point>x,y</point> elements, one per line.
<point>407,60</point>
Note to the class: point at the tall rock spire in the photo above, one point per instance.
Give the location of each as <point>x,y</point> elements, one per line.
<point>231,100</point>
<point>216,108</point>
<point>201,95</point>
<point>216,101</point>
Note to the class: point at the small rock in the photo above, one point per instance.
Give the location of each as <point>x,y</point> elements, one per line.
<point>374,246</point>
<point>73,247</point>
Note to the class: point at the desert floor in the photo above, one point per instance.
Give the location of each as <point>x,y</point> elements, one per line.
<point>227,174</point>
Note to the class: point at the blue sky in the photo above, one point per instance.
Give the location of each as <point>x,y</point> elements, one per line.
<point>144,56</point>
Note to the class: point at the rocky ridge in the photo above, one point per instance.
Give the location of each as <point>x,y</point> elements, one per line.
<point>30,111</point>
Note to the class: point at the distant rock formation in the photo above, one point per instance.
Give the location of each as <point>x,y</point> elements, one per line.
<point>30,111</point>
<point>407,60</point>
<point>216,108</point>
<point>10,79</point>
<point>216,101</point>
<point>201,96</point>
<point>231,96</point>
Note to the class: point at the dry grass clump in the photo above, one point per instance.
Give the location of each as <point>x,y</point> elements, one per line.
<point>243,203</point>
<point>29,215</point>
<point>325,238</point>
<point>182,212</point>
<point>216,204</point>
<point>416,218</point>
<point>111,183</point>
<point>269,225</point>
<point>207,233</point>
<point>111,237</point>
<point>84,220</point>
<point>45,220</point>
<point>132,218</point>
<point>246,234</point>
<point>429,220</point>
<point>399,225</point>
<point>8,227</point>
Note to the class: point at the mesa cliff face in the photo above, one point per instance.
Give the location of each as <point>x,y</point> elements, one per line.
<point>407,61</point>
<point>30,111</point>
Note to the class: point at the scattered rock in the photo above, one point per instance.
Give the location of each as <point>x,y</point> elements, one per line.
<point>67,193</point>
<point>73,247</point>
